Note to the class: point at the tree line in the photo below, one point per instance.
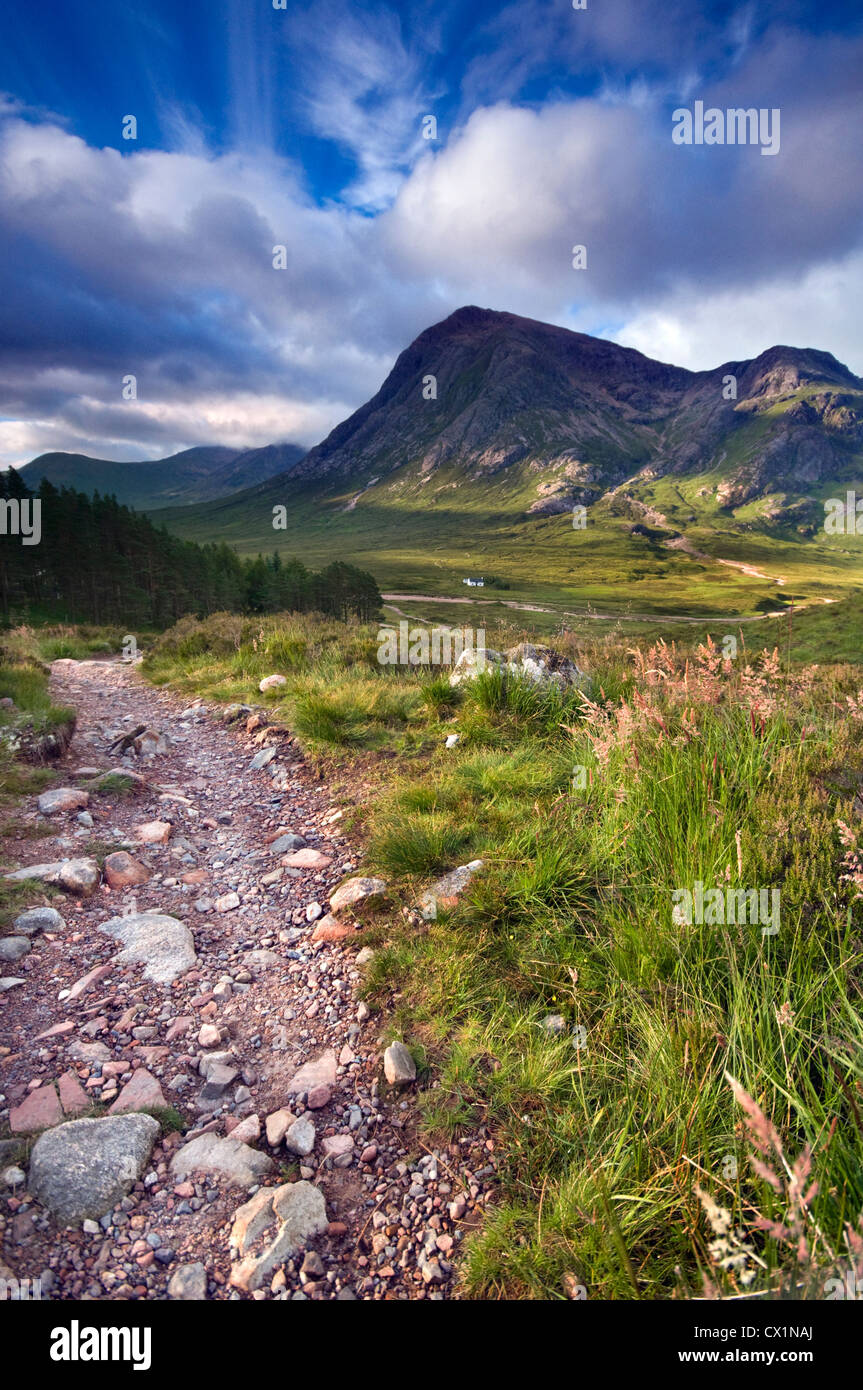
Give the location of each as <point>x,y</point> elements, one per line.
<point>97,561</point>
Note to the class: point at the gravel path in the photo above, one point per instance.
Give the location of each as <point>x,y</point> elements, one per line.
<point>390,601</point>
<point>222,1042</point>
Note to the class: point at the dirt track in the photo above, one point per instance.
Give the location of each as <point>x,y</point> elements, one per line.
<point>278,997</point>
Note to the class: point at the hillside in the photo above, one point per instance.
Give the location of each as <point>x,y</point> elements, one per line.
<point>101,562</point>
<point>184,479</point>
<point>583,414</point>
<point>531,420</point>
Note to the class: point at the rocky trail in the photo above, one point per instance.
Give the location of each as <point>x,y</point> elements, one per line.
<point>199,965</point>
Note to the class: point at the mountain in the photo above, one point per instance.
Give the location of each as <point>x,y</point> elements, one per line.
<point>190,477</point>
<point>491,427</point>
<point>582,415</point>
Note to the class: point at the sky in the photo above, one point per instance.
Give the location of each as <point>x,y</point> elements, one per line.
<point>307,127</point>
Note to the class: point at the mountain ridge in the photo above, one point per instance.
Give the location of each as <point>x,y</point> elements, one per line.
<point>189,477</point>
<point>515,391</point>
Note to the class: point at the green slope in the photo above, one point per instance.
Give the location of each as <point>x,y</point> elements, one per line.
<point>184,479</point>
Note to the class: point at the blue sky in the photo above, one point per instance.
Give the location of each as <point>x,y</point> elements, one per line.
<point>258,126</point>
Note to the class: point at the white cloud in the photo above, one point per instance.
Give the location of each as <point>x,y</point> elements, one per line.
<point>500,208</point>
<point>245,420</point>
<point>361,86</point>
<point>700,330</point>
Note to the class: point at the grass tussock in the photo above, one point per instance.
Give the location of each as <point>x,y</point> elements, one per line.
<point>117,785</point>
<point>32,727</point>
<point>15,898</point>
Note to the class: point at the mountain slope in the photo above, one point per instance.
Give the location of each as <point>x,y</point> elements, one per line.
<point>184,479</point>
<point>490,428</point>
<point>512,391</point>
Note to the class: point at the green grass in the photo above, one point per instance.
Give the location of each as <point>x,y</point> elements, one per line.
<point>822,633</point>
<point>19,779</point>
<point>170,1119</point>
<point>17,829</point>
<point>27,687</point>
<point>24,680</point>
<point>422,844</point>
<point>439,696</point>
<point>53,641</point>
<point>588,814</point>
<point>115,784</point>
<point>603,1144</point>
<point>15,898</point>
<point>422,536</point>
<point>98,849</point>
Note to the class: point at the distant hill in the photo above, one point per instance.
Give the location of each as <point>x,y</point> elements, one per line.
<point>185,479</point>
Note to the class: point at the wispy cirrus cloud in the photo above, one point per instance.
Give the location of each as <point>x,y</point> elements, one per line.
<point>363,85</point>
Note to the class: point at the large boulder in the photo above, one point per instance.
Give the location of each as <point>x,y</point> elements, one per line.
<point>12,948</point>
<point>472,662</point>
<point>300,1137</point>
<point>143,1092</point>
<point>40,1109</point>
<point>330,928</point>
<point>188,1283</point>
<point>61,799</point>
<point>321,1071</point>
<point>152,743</point>
<point>84,1168</point>
<point>226,1158</point>
<point>307,859</point>
<point>154,832</point>
<point>287,843</point>
<point>278,1221</point>
<point>399,1066</point>
<point>122,871</point>
<point>446,891</point>
<point>357,893</point>
<point>539,664</point>
<point>37,919</point>
<point>545,666</point>
<point>164,946</point>
<point>262,758</point>
<point>78,876</point>
<point>39,873</point>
